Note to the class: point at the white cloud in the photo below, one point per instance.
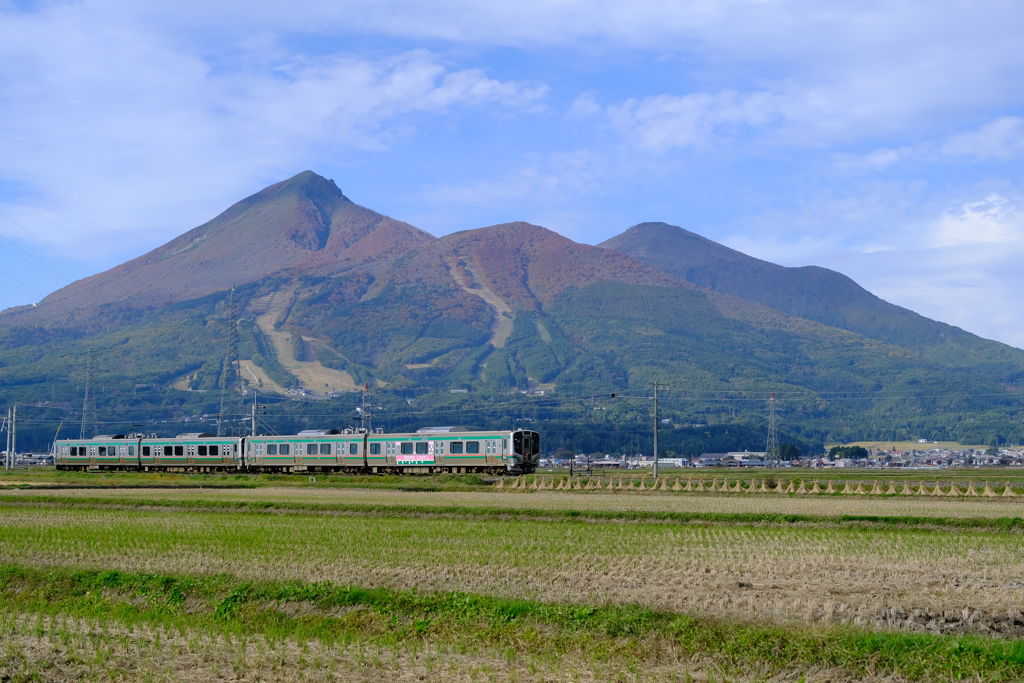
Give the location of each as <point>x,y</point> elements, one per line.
<point>662,122</point>
<point>555,177</point>
<point>121,130</point>
<point>993,220</point>
<point>583,106</point>
<point>875,160</point>
<point>1000,139</point>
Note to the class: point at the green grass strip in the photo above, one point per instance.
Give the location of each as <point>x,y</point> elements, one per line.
<point>483,512</point>
<point>618,634</point>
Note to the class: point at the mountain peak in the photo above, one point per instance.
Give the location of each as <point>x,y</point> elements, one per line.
<point>307,181</point>
<point>304,222</point>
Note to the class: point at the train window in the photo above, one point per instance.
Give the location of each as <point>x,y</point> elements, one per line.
<point>202,450</point>
<point>168,450</point>
<point>517,443</point>
<point>374,449</point>
<point>421,448</point>
<point>325,449</point>
<point>284,449</point>
<point>472,446</point>
<point>131,450</point>
<point>271,449</point>
<point>406,448</point>
<point>74,450</point>
<point>535,450</point>
<point>179,450</point>
<point>214,450</point>
<point>310,449</point>
<point>353,449</point>
<point>456,447</point>
<point>103,450</point>
<point>146,451</point>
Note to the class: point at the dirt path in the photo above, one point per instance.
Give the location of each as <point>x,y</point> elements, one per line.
<point>311,373</point>
<point>504,318</point>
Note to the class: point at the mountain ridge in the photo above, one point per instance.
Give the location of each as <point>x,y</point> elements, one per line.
<point>809,292</point>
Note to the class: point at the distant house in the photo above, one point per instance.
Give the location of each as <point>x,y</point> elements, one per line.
<point>711,459</point>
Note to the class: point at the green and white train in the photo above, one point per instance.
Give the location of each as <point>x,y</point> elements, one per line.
<point>433,450</point>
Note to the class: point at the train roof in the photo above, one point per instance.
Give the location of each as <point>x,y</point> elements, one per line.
<point>195,435</point>
<point>440,430</point>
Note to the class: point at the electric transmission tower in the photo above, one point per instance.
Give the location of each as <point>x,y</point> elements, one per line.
<point>231,380</point>
<point>771,450</point>
<point>88,396</point>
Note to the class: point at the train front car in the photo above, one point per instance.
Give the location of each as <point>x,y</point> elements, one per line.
<point>525,452</point>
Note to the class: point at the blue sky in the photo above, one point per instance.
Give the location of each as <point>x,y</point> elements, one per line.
<point>882,139</point>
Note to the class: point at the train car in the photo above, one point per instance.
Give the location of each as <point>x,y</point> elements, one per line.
<point>101,452</point>
<point>192,452</point>
<point>432,450</point>
<point>311,450</point>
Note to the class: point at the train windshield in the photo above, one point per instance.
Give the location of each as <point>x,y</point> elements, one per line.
<point>526,443</point>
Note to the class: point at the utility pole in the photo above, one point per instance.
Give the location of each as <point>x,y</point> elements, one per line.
<point>256,409</point>
<point>231,381</point>
<point>88,391</point>
<point>14,438</point>
<point>656,386</point>
<point>7,453</point>
<point>772,447</point>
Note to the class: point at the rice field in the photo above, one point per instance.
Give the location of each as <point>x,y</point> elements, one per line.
<point>882,578</point>
<point>583,501</point>
<point>914,579</point>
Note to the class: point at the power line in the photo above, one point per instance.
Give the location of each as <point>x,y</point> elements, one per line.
<point>31,259</point>
<point>47,218</point>
<point>45,244</point>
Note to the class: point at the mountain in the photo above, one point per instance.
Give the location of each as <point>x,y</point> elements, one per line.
<point>333,296</point>
<point>809,292</point>
<point>304,224</point>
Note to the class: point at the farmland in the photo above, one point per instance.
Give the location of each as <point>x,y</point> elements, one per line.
<point>91,576</point>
